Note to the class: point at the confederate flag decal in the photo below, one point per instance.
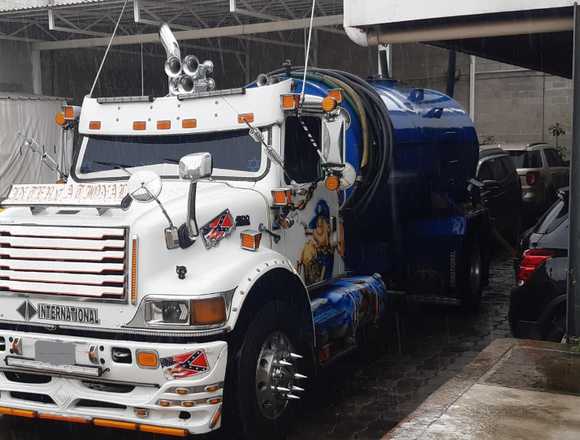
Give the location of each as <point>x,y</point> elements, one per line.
<point>218,229</point>
<point>185,365</point>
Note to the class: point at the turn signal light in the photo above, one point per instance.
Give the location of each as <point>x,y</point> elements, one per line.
<point>134,250</point>
<point>282,197</point>
<point>332,183</point>
<point>246,118</point>
<point>67,419</point>
<point>208,311</point>
<point>290,102</point>
<point>95,125</point>
<point>17,412</point>
<point>139,125</point>
<point>251,240</point>
<point>329,104</point>
<point>147,359</point>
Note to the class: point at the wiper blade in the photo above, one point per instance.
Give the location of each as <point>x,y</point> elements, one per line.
<point>114,165</point>
<point>170,160</point>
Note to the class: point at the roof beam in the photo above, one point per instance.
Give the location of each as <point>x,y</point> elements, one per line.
<point>197,34</point>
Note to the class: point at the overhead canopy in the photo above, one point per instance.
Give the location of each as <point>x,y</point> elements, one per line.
<point>536,34</point>
<point>66,24</point>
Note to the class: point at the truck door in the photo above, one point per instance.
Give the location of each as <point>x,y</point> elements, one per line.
<point>311,235</point>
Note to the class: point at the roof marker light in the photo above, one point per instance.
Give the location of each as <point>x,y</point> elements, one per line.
<point>163,125</point>
<point>71,112</point>
<point>189,123</point>
<point>95,125</point>
<point>139,125</point>
<point>246,118</point>
<point>329,104</point>
<point>290,102</point>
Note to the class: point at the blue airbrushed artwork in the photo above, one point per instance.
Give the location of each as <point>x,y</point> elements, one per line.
<point>343,306</point>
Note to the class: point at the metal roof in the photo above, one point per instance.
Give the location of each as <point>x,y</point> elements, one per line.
<point>51,21</point>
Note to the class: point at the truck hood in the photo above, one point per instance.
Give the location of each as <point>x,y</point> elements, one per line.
<point>143,226</point>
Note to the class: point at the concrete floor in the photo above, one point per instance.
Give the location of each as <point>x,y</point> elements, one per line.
<point>370,392</point>
<point>513,390</point>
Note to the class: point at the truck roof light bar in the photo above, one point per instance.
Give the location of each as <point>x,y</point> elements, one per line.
<point>125,99</point>
<point>212,93</point>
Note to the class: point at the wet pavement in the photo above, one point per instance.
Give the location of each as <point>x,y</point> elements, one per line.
<point>369,392</point>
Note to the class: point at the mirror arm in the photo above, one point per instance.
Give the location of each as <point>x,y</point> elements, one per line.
<point>192,227</point>
<point>171,225</point>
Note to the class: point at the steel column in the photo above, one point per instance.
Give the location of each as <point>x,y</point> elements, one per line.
<point>573,311</point>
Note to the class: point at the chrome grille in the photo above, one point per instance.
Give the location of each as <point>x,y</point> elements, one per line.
<point>64,261</point>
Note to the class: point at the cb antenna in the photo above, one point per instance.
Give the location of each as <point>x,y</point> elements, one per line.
<point>302,95</point>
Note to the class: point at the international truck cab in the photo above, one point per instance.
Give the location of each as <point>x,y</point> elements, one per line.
<point>213,250</point>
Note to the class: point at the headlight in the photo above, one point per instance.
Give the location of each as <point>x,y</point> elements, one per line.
<point>199,313</point>
<point>167,312</point>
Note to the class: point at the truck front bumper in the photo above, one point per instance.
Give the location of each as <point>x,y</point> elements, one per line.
<point>86,381</point>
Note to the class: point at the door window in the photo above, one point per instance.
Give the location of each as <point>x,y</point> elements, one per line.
<point>300,156</point>
<point>553,158</point>
<point>526,159</point>
<point>493,169</point>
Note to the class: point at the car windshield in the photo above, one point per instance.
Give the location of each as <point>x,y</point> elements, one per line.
<point>526,159</point>
<point>231,151</point>
<point>554,217</point>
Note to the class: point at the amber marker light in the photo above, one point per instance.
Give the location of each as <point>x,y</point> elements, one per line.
<point>174,432</point>
<point>139,125</point>
<point>134,250</point>
<point>95,125</point>
<point>290,102</point>
<point>147,359</point>
<point>246,118</point>
<point>189,123</point>
<point>329,104</point>
<point>59,119</point>
<point>208,311</point>
<point>250,240</point>
<point>68,419</point>
<point>163,125</point>
<point>336,94</point>
<point>282,197</point>
<point>105,423</point>
<point>216,418</point>
<point>332,183</point>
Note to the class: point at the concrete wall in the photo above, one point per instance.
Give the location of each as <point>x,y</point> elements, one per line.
<point>15,67</point>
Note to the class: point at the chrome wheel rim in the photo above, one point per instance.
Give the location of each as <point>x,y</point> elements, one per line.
<point>275,375</point>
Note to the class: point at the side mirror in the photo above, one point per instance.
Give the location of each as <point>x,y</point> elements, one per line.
<point>144,186</point>
<point>195,167</point>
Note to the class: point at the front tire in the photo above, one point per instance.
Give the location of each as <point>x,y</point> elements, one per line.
<point>266,374</point>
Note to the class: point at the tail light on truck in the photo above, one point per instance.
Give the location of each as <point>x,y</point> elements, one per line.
<point>532,178</point>
<point>532,259</point>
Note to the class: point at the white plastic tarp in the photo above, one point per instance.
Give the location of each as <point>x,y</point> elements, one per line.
<point>24,118</point>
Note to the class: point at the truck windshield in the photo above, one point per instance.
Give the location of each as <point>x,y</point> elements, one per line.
<point>232,151</point>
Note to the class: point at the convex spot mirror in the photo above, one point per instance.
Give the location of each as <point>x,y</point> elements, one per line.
<point>144,186</point>
<point>196,166</point>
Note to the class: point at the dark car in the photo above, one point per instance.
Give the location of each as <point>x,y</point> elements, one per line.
<point>538,303</point>
<point>502,191</point>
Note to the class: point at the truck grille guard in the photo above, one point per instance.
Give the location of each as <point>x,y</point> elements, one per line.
<point>64,261</point>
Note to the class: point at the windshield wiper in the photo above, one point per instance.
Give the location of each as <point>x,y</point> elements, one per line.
<point>170,160</point>
<point>114,165</point>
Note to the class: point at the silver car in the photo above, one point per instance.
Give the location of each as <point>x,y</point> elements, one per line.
<point>542,172</point>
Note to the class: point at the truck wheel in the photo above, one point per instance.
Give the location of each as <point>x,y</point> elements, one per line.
<point>556,328</point>
<point>267,373</point>
<point>470,276</point>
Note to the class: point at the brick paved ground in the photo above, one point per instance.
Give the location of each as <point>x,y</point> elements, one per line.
<point>362,396</point>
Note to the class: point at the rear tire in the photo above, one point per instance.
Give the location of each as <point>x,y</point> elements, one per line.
<point>470,276</point>
<point>255,404</point>
<point>556,328</point>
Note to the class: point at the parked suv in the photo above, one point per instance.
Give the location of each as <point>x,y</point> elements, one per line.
<point>538,303</point>
<point>542,172</point>
<point>502,191</point>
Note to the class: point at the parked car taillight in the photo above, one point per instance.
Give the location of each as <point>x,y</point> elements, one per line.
<point>532,178</point>
<point>532,259</point>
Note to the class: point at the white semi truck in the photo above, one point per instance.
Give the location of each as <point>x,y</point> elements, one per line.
<point>212,250</point>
